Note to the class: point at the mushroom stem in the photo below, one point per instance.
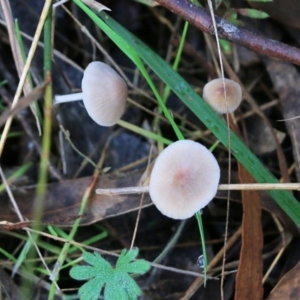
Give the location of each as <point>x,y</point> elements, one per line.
<point>221,187</point>
<point>67,98</point>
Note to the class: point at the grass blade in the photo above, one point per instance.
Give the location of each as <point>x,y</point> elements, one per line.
<point>192,100</point>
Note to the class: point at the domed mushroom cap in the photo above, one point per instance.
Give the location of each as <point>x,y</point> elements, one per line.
<point>184,179</point>
<point>213,94</point>
<point>104,93</point>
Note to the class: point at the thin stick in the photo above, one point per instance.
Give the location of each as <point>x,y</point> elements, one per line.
<point>17,54</point>
<point>229,143</point>
<point>260,186</point>
<point>221,187</point>
<point>141,201</point>
<point>105,252</point>
<point>20,216</point>
<point>32,49</point>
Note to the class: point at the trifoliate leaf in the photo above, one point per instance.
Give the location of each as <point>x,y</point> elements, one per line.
<point>117,283</point>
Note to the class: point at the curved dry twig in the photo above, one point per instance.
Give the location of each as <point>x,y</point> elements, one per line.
<point>201,19</point>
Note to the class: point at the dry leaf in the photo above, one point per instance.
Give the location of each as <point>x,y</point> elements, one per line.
<point>250,271</point>
<point>288,288</point>
<point>63,200</point>
<point>285,11</point>
<point>286,78</point>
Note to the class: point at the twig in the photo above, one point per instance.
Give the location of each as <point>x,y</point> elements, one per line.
<point>31,134</point>
<point>221,187</point>
<point>67,136</point>
<point>201,19</point>
<point>34,95</point>
<point>20,216</point>
<point>210,5</point>
<point>17,54</point>
<point>32,49</point>
<point>105,252</point>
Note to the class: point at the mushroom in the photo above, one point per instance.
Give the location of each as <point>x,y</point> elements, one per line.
<point>104,93</point>
<point>184,179</point>
<point>213,94</point>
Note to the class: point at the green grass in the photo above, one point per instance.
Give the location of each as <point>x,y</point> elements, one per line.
<point>127,41</point>
<point>142,56</point>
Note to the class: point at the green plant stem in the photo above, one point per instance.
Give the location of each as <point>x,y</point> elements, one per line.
<point>177,58</point>
<point>22,170</point>
<point>23,53</point>
<point>171,242</point>
<point>202,237</point>
<point>46,140</point>
<point>144,132</point>
<point>63,253</point>
<point>65,250</point>
<point>67,137</point>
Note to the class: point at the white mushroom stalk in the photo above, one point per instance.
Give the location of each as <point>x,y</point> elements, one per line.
<point>104,94</point>
<point>58,99</point>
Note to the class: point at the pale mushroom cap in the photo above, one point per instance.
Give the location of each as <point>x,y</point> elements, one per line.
<point>213,94</point>
<point>104,93</point>
<point>184,179</point>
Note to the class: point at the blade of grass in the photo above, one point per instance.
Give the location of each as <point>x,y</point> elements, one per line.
<point>8,255</point>
<point>46,142</point>
<point>202,237</point>
<point>22,257</point>
<point>66,248</point>
<point>167,89</point>
<point>20,172</point>
<point>132,54</point>
<point>25,70</point>
<point>23,53</point>
<point>143,132</point>
<point>3,82</point>
<point>212,121</point>
<point>41,244</point>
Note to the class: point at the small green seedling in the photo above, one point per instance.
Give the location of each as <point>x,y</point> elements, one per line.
<point>252,13</point>
<point>117,282</point>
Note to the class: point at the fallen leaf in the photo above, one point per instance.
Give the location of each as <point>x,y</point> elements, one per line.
<point>250,271</point>
<point>288,288</point>
<point>63,200</point>
<point>260,137</point>
<point>8,287</point>
<point>285,11</point>
<point>24,102</point>
<point>286,78</point>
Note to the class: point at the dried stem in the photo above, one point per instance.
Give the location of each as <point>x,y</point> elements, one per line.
<point>201,19</point>
<point>221,187</point>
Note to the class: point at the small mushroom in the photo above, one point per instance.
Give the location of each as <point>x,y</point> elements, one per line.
<point>104,93</point>
<point>213,94</point>
<point>184,179</point>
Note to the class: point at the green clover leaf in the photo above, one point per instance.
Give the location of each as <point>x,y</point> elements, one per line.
<point>117,282</point>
